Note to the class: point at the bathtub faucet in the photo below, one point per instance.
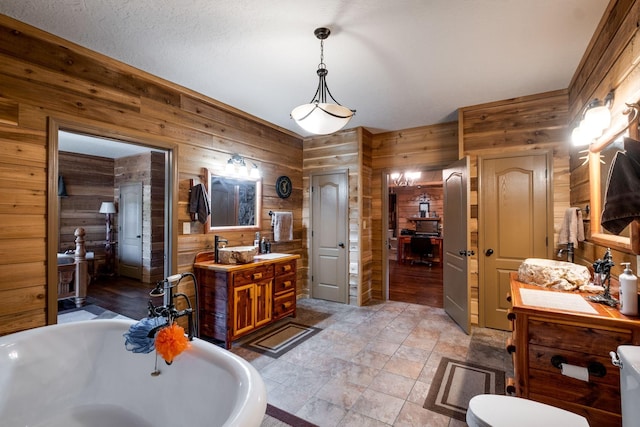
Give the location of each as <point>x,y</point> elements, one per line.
<point>569,252</point>
<point>167,288</point>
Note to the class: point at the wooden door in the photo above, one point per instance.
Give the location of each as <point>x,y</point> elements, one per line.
<point>456,243</point>
<point>515,221</point>
<point>243,308</point>
<point>130,231</point>
<point>329,237</point>
<point>263,302</point>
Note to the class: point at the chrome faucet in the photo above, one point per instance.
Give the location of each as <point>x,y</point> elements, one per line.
<point>569,252</point>
<point>217,240</point>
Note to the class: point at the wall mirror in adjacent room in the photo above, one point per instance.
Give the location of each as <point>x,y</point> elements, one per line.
<point>235,202</point>
<point>601,157</point>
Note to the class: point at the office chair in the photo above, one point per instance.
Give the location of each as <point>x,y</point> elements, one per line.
<point>421,245</point>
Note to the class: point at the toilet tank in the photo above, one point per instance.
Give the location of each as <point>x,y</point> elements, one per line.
<point>629,356</point>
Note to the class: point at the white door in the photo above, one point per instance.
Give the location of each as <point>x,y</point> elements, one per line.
<point>456,242</point>
<point>130,231</point>
<point>329,199</point>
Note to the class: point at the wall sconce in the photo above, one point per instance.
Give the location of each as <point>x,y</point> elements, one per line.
<point>237,167</point>
<point>62,189</point>
<point>403,179</point>
<point>595,119</point>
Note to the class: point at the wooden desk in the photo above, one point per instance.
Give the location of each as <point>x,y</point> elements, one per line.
<point>405,240</point>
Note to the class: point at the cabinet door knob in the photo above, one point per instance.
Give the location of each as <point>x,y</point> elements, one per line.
<point>488,252</point>
<point>341,244</point>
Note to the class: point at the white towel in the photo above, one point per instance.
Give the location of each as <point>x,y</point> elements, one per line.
<point>572,228</point>
<point>282,223</point>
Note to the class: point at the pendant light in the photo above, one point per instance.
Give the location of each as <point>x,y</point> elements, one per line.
<point>320,117</point>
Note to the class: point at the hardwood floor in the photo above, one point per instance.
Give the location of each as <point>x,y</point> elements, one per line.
<point>416,284</point>
<point>122,295</point>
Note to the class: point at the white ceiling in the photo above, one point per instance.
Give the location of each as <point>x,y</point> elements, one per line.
<point>400,64</point>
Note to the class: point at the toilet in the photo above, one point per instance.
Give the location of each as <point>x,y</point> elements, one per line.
<point>489,410</point>
<point>628,361</point>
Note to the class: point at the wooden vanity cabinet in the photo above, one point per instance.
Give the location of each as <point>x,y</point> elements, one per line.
<point>237,299</point>
<point>544,337</point>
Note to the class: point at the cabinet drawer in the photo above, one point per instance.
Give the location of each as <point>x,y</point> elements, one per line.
<point>556,386</point>
<point>285,267</point>
<point>285,283</point>
<point>576,338</point>
<point>284,304</point>
<point>252,275</point>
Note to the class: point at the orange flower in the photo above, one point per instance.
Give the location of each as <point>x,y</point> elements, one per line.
<point>170,342</point>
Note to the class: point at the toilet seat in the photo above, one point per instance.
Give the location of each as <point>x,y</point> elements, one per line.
<point>490,410</point>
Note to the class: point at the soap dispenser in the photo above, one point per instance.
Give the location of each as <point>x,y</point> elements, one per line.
<point>628,291</point>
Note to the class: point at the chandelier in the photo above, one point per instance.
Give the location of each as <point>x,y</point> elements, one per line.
<point>319,116</point>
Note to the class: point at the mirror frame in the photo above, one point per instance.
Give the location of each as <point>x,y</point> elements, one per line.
<point>256,227</point>
<point>624,244</point>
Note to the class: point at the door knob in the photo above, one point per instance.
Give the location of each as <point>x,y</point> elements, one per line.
<point>488,252</point>
<point>341,244</point>
<point>463,253</point>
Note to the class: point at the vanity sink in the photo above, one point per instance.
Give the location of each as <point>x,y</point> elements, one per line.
<point>236,254</point>
<point>555,274</point>
<point>270,256</point>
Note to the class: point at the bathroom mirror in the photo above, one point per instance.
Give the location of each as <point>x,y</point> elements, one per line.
<point>235,203</point>
<point>600,159</point>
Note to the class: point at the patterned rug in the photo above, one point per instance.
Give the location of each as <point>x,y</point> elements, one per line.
<point>278,341</point>
<point>455,383</point>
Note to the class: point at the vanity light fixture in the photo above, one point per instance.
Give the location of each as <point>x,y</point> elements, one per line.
<point>404,179</point>
<point>320,117</point>
<point>236,166</point>
<point>595,119</point>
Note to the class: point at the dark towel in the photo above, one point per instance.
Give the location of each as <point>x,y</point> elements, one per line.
<point>199,203</point>
<point>622,199</point>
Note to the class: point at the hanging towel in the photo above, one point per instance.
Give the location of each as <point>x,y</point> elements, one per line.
<point>572,228</point>
<point>282,223</point>
<point>622,199</point>
<point>199,203</point>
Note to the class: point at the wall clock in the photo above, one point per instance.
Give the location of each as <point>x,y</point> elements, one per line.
<point>283,187</point>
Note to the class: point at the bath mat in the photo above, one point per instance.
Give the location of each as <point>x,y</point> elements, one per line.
<point>278,341</point>
<point>455,383</point>
<point>276,417</point>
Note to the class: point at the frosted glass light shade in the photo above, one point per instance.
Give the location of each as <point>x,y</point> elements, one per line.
<point>596,120</point>
<point>314,117</point>
<point>578,138</point>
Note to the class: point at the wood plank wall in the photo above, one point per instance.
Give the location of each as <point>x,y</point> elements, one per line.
<point>423,148</point>
<point>43,77</point>
<point>520,124</point>
<point>346,150</point>
<point>611,62</point>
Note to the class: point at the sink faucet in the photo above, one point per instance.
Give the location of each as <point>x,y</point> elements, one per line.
<point>217,240</point>
<point>569,252</point>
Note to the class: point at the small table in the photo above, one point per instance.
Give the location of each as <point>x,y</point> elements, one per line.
<point>405,239</point>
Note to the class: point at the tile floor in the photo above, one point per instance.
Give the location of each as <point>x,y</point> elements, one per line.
<point>371,366</point>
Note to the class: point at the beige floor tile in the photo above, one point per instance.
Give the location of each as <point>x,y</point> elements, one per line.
<point>341,392</point>
<point>392,384</point>
<point>406,368</point>
<point>322,413</point>
<point>413,415</point>
<point>379,406</point>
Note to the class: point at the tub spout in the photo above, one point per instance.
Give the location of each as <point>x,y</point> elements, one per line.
<point>169,311</point>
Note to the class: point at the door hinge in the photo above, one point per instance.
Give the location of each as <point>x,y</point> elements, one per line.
<point>546,241</point>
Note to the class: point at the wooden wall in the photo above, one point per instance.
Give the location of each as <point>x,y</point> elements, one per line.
<point>89,182</point>
<point>534,122</point>
<point>611,62</point>
<point>43,79</point>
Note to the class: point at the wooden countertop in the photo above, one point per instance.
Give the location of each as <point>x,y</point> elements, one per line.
<point>604,313</point>
<point>201,262</point>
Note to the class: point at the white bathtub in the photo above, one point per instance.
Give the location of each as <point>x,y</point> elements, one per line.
<point>80,374</point>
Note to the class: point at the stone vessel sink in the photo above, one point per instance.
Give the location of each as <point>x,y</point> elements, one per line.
<point>237,254</point>
<point>551,273</point>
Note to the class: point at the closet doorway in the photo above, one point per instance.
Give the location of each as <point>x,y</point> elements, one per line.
<point>414,236</point>
<point>93,165</point>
